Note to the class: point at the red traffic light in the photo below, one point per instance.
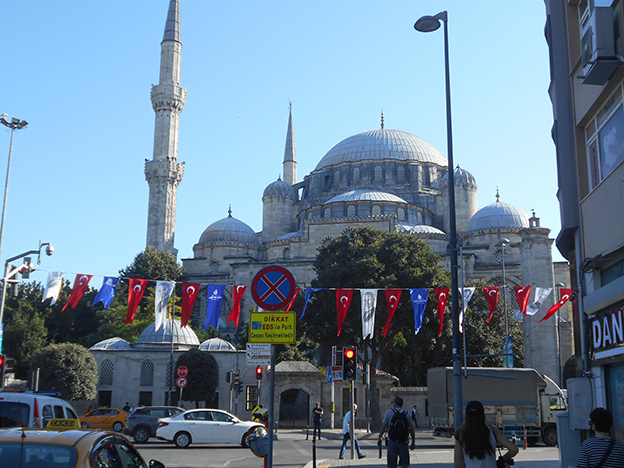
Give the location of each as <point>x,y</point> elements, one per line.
<point>349,353</point>
<point>2,359</point>
<point>259,372</point>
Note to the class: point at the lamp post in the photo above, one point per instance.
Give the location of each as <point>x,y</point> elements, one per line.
<point>429,24</point>
<point>506,343</point>
<point>14,124</point>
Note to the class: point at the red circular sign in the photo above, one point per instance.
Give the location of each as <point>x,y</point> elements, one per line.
<point>182,371</point>
<point>181,382</point>
<point>273,288</point>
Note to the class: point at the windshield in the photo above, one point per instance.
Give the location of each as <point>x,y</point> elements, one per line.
<point>17,454</point>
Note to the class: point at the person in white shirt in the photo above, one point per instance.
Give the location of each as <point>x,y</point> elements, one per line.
<point>346,435</point>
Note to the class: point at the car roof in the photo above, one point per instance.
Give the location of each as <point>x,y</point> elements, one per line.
<point>72,437</point>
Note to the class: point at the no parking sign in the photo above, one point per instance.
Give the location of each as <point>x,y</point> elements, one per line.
<point>273,288</point>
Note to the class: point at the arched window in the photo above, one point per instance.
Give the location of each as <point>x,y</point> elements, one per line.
<point>327,213</point>
<point>356,175</point>
<point>401,214</point>
<point>378,175</point>
<point>214,267</point>
<point>401,175</point>
<point>286,253</point>
<point>147,374</point>
<point>351,211</point>
<point>336,179</point>
<point>376,210</point>
<point>106,372</point>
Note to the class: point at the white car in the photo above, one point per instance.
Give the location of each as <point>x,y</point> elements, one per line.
<point>202,426</point>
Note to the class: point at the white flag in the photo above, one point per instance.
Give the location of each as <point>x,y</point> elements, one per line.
<point>164,289</point>
<point>369,304</point>
<point>53,286</point>
<point>466,296</point>
<point>540,296</point>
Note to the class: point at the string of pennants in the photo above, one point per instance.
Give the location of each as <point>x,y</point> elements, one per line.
<point>418,296</point>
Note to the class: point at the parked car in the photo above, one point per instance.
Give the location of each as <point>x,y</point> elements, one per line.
<point>78,448</point>
<point>104,418</point>
<point>142,424</point>
<point>32,409</point>
<point>201,426</point>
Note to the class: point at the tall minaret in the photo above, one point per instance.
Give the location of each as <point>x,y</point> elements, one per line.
<point>290,154</point>
<point>164,173</point>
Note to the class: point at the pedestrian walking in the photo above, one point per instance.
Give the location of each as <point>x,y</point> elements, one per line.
<point>317,419</point>
<point>415,416</point>
<point>346,435</point>
<point>601,451</point>
<point>475,441</point>
<point>396,420</point>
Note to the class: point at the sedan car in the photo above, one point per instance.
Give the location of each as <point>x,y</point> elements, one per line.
<point>79,448</point>
<point>104,418</point>
<point>203,426</point>
<point>142,424</point>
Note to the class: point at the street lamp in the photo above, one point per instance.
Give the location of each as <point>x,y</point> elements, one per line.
<point>507,342</point>
<point>429,24</point>
<point>14,124</point>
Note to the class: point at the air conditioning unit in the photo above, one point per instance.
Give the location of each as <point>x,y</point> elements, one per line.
<point>598,45</point>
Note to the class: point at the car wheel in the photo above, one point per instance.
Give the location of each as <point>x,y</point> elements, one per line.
<point>141,435</point>
<point>182,439</point>
<point>550,437</point>
<point>245,440</point>
<point>118,427</point>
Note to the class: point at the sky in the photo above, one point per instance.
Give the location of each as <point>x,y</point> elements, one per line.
<point>81,73</point>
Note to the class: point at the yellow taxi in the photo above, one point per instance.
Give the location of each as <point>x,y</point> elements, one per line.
<point>74,448</point>
<point>105,418</point>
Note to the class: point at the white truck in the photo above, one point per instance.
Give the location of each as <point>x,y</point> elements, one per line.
<point>512,398</point>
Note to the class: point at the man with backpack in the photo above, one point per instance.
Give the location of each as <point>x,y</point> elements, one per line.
<point>396,420</point>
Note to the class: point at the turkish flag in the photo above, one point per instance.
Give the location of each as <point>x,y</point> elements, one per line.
<point>491,294</point>
<point>564,294</point>
<point>343,301</point>
<point>522,297</point>
<point>189,295</point>
<point>135,294</point>
<point>392,301</point>
<point>441,295</point>
<point>80,287</point>
<point>293,299</point>
<point>237,295</point>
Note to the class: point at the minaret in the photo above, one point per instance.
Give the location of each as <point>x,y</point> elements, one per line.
<point>164,173</point>
<point>290,154</point>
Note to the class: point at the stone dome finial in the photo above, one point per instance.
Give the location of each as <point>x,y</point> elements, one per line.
<point>230,211</point>
<point>497,196</point>
<point>382,120</point>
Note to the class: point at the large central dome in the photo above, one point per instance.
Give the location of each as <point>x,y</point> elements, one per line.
<point>382,145</point>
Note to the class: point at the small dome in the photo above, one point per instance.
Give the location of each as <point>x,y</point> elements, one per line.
<point>216,344</point>
<point>462,176</point>
<point>498,215</point>
<point>279,187</point>
<point>366,195</point>
<point>115,344</point>
<point>181,336</point>
<point>418,229</point>
<point>380,145</point>
<point>229,230</point>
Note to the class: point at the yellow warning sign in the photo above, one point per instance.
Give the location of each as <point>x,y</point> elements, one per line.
<point>63,424</point>
<point>272,327</point>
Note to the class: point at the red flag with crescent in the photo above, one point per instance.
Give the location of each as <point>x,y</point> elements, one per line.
<point>441,295</point>
<point>392,301</point>
<point>237,296</point>
<point>343,301</point>
<point>80,287</point>
<point>522,297</point>
<point>491,294</point>
<point>293,299</point>
<point>136,290</point>
<point>564,294</point>
<point>189,295</point>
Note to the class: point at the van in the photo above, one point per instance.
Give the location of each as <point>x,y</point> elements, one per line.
<point>32,410</point>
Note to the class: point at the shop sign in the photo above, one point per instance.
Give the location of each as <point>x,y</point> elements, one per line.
<point>608,329</point>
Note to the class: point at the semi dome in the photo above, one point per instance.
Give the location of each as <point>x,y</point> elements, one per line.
<point>216,344</point>
<point>114,344</point>
<point>462,176</point>
<point>498,215</point>
<point>181,336</point>
<point>366,195</point>
<point>229,230</point>
<point>279,187</point>
<point>418,229</point>
<point>379,145</point>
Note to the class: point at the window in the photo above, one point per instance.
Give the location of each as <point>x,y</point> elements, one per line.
<point>378,175</point>
<point>327,182</point>
<point>286,254</point>
<point>147,374</point>
<point>214,267</point>
<point>336,178</point>
<point>327,214</point>
<point>401,214</point>
<point>376,210</point>
<point>251,397</point>
<point>356,175</point>
<point>104,398</point>
<point>351,211</point>
<point>145,398</point>
<point>106,372</point>
<point>401,175</point>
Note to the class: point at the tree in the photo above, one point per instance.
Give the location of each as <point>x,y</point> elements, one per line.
<point>67,368</point>
<point>203,375</point>
<point>155,265</point>
<point>370,258</point>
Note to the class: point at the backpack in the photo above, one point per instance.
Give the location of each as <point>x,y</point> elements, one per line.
<point>398,428</point>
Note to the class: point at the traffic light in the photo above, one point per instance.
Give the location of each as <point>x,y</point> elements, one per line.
<point>259,373</point>
<point>2,367</point>
<point>236,379</point>
<point>349,362</point>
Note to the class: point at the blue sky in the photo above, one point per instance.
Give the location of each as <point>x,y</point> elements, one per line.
<point>81,72</point>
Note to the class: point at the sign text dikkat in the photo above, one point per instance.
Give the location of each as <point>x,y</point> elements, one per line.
<point>272,327</point>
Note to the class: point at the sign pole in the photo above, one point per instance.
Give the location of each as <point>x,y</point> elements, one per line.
<point>271,408</point>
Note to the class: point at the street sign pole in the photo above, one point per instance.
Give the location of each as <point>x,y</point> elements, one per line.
<point>332,390</point>
<point>271,427</point>
<point>352,421</point>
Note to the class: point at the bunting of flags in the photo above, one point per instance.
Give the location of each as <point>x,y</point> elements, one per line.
<point>215,294</point>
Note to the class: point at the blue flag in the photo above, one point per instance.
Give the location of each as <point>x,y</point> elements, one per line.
<point>107,291</point>
<point>307,297</point>
<point>213,310</point>
<point>419,301</point>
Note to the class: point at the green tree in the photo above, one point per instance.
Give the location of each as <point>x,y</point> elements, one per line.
<point>67,368</point>
<point>155,265</point>
<point>203,375</point>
